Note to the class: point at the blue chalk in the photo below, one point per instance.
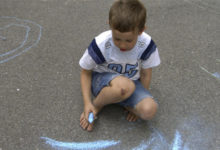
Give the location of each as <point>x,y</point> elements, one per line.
<point>216,74</point>
<point>91,117</point>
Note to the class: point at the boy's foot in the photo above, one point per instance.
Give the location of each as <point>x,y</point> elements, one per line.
<point>131,117</point>
<point>85,124</point>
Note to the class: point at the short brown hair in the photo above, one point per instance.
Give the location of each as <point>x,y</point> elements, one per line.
<point>127,15</point>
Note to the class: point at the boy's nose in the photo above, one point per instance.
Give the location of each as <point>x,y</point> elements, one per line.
<point>122,45</point>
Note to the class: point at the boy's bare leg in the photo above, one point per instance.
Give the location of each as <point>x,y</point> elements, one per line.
<point>119,89</point>
<point>145,109</point>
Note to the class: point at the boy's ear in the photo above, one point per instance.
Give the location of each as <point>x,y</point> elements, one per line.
<point>108,22</point>
<point>145,28</point>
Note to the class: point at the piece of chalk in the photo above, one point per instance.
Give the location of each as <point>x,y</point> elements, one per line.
<point>91,117</point>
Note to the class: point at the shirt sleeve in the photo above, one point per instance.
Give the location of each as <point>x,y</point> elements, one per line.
<point>152,61</point>
<point>86,61</point>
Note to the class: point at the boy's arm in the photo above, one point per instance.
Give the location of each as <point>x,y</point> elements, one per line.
<point>146,77</point>
<point>85,78</point>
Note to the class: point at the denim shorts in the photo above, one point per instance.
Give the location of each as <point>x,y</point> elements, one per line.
<point>101,80</point>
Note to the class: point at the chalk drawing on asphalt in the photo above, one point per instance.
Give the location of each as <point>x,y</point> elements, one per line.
<point>145,144</point>
<point>13,46</point>
<point>190,133</point>
<point>156,137</point>
<point>100,144</point>
<point>215,75</point>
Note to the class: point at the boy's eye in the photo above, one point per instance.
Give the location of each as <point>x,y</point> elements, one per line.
<point>129,41</point>
<point>117,39</point>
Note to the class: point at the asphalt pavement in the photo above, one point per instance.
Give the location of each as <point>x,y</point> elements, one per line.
<point>41,42</point>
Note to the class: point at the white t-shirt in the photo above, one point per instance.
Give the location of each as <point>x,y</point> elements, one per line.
<point>103,56</point>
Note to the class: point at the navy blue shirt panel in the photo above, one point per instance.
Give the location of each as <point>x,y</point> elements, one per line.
<point>96,53</point>
<point>149,50</point>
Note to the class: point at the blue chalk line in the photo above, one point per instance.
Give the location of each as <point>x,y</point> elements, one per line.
<point>20,48</point>
<point>80,146</point>
<point>22,43</point>
<point>216,74</point>
<point>177,143</point>
<point>144,144</point>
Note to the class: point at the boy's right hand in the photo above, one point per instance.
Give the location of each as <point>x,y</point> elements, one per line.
<point>84,123</point>
<point>89,108</point>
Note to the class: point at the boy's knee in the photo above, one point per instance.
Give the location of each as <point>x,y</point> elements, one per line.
<point>123,91</point>
<point>124,87</point>
<point>148,111</point>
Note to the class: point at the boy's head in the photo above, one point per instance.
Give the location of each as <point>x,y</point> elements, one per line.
<point>127,15</point>
<point>127,20</point>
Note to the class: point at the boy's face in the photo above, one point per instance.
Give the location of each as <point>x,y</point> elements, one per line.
<point>125,41</point>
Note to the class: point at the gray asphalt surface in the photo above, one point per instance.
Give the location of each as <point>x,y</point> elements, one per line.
<point>41,42</point>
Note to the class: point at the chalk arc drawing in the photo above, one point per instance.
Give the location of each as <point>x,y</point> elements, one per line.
<point>33,32</point>
<point>101,144</point>
<point>155,142</point>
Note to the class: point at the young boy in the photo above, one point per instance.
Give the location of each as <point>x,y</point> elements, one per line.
<point>117,65</point>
